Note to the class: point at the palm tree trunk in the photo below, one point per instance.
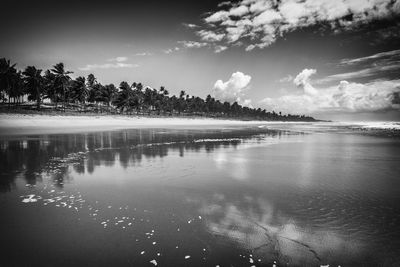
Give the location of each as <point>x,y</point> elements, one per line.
<point>64,98</point>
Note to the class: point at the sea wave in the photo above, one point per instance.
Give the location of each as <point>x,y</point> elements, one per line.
<point>384,125</point>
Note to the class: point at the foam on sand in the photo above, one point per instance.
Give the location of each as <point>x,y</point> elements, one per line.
<point>385,125</point>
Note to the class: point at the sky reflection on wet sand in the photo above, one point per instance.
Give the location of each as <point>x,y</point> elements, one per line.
<point>238,196</point>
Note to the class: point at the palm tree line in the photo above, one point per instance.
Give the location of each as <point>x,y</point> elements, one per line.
<point>86,94</point>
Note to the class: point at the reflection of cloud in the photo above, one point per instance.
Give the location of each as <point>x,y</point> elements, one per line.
<point>237,166</point>
<point>257,225</point>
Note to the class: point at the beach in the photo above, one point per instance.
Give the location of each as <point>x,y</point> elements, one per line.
<point>23,124</point>
<point>16,124</point>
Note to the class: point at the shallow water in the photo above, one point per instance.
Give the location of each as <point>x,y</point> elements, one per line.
<point>230,197</point>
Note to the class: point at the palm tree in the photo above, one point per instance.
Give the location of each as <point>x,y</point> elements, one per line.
<point>97,93</point>
<point>34,84</point>
<point>181,102</point>
<point>138,96</point>
<point>62,79</point>
<point>124,100</point>
<point>108,94</point>
<point>8,74</point>
<point>18,87</point>
<point>80,91</point>
<point>165,100</point>
<point>50,91</point>
<point>148,99</point>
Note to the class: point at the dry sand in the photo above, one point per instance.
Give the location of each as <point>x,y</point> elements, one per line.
<point>16,124</point>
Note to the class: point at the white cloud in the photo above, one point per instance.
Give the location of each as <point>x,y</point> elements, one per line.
<point>210,36</point>
<point>217,16</point>
<point>261,22</point>
<point>367,72</point>
<point>287,78</point>
<point>118,59</point>
<point>144,54</point>
<point>238,11</point>
<point>192,44</point>
<point>225,3</point>
<point>190,25</point>
<point>347,96</point>
<point>246,103</point>
<point>388,54</point>
<point>171,50</point>
<point>303,80</point>
<point>266,17</point>
<point>116,65</point>
<point>220,48</point>
<point>233,89</point>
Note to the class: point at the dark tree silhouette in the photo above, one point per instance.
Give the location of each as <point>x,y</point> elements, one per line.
<point>80,91</point>
<point>62,80</point>
<point>34,84</point>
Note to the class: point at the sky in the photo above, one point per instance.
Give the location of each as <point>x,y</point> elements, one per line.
<point>336,60</point>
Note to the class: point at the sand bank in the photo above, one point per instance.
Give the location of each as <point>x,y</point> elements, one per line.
<point>15,124</point>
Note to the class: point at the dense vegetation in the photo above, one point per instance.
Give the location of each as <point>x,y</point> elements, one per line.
<point>88,95</point>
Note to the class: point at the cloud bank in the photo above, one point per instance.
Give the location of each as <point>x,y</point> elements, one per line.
<point>258,23</point>
<point>378,95</point>
<point>233,90</point>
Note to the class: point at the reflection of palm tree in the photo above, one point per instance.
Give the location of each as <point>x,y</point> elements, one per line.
<point>125,146</point>
<point>34,84</point>
<point>61,79</point>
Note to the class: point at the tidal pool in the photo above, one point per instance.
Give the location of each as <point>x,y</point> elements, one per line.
<point>228,197</point>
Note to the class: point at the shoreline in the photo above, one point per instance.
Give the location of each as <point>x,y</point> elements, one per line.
<point>12,124</point>
<point>18,124</point>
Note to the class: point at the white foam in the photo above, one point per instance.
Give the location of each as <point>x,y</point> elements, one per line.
<point>30,198</point>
